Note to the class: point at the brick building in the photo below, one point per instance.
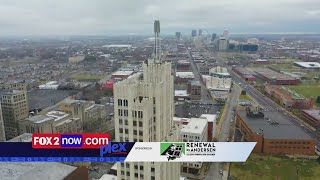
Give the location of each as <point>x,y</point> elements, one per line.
<point>274,133</point>
<point>275,78</point>
<point>288,98</point>
<point>194,90</point>
<point>312,117</point>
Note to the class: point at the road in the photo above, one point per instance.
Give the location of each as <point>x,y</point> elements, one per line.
<point>269,105</point>
<point>205,94</point>
<point>213,172</point>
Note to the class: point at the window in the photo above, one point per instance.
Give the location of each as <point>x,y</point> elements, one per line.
<point>134,123</point>
<point>135,166</point>
<point>152,169</point>
<point>127,165</point>
<point>153,178</point>
<point>140,124</point>
<point>135,132</point>
<point>128,173</point>
<point>154,100</point>
<point>122,165</point>
<point>122,172</point>
<point>126,122</point>
<point>136,175</point>
<point>119,102</point>
<point>120,121</point>
<point>141,133</point>
<point>121,130</point>
<point>141,168</point>
<point>126,131</point>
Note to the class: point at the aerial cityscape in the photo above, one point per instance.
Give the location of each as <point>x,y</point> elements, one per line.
<point>161,77</point>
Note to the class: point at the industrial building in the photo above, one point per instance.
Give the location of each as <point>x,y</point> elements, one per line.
<point>274,133</point>
<point>312,117</point>
<point>245,74</point>
<point>119,75</point>
<point>288,97</point>
<point>308,65</point>
<point>183,65</point>
<point>182,78</point>
<point>275,78</point>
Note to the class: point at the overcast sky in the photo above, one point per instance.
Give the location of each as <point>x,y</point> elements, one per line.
<point>79,17</point>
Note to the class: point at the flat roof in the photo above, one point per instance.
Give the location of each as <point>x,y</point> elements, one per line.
<point>210,117</point>
<point>270,74</point>
<point>122,73</point>
<point>40,118</point>
<point>313,65</point>
<point>315,113</point>
<point>195,125</point>
<point>284,130</point>
<point>34,170</point>
<point>108,177</point>
<point>181,93</point>
<point>185,74</point>
<point>25,137</point>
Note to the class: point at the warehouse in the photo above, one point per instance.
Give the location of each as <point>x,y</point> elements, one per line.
<point>274,133</point>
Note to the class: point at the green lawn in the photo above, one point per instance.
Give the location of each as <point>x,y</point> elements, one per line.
<point>308,91</point>
<point>270,168</point>
<point>245,98</point>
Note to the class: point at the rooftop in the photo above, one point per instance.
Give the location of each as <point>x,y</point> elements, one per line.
<point>25,137</point>
<point>122,73</point>
<point>284,130</point>
<point>108,177</point>
<point>312,65</point>
<point>195,126</point>
<point>185,74</point>
<point>315,113</point>
<point>195,83</point>
<point>181,93</point>
<point>210,117</point>
<point>34,171</point>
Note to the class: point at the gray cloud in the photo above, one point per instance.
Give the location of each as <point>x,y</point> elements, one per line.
<point>32,17</point>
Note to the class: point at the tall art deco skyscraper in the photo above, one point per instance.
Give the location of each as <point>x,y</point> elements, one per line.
<point>144,111</point>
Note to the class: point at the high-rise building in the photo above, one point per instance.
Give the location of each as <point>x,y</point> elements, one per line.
<point>213,37</point>
<point>14,108</point>
<point>223,44</point>
<point>144,111</point>
<point>200,32</point>
<point>226,33</point>
<point>194,33</point>
<point>2,132</point>
<point>178,35</point>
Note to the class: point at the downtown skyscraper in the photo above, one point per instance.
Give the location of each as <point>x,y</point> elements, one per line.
<point>144,110</point>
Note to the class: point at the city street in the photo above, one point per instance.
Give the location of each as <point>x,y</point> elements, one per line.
<point>205,95</point>
<point>213,172</point>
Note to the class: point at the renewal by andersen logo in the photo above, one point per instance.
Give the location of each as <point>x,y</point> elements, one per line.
<point>172,150</point>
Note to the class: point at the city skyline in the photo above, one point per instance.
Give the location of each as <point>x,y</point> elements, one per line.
<point>105,17</point>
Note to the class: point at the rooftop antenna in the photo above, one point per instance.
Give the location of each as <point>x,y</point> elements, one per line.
<point>157,45</point>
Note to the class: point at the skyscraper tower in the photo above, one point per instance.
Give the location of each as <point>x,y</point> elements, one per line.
<point>200,32</point>
<point>226,33</point>
<point>157,45</point>
<point>144,110</point>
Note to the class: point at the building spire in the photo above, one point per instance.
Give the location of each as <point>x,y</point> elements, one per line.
<point>157,45</point>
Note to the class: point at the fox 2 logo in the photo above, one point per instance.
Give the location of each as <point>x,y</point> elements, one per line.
<point>112,149</point>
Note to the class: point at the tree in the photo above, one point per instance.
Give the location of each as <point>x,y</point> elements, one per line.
<point>243,92</point>
<point>318,99</point>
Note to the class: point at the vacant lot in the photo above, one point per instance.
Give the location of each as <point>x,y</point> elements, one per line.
<point>271,168</point>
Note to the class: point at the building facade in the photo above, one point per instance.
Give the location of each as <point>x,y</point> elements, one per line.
<point>14,107</point>
<point>92,115</point>
<point>194,90</point>
<point>2,131</point>
<point>52,122</point>
<point>143,112</point>
<point>195,131</point>
<point>273,137</point>
<point>288,98</point>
